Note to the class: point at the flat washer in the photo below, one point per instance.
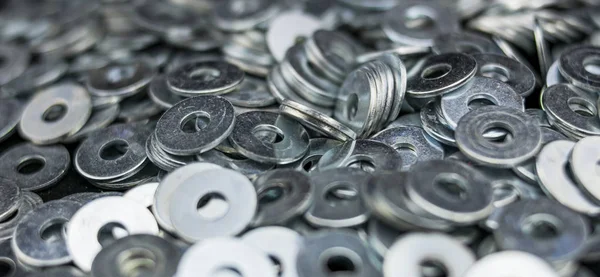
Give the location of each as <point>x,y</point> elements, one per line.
<point>144,194</point>
<point>269,138</point>
<point>441,74</point>
<point>29,200</point>
<point>562,103</point>
<point>95,159</point>
<point>458,103</point>
<point>112,260</point>
<point>550,167</point>
<point>585,160</point>
<point>55,113</point>
<point>525,143</point>
<point>337,203</point>
<point>28,243</point>
<point>10,195</point>
<point>285,29</point>
<point>215,111</point>
<point>573,63</point>
<point>253,93</point>
<point>82,237</point>
<point>407,254</point>
<point>281,243</point>
<point>120,79</point>
<point>202,77</point>
<point>225,256</point>
<point>160,93</point>
<point>10,111</point>
<point>425,187</point>
<point>283,195</point>
<point>507,70</point>
<point>54,162</point>
<point>366,154</point>
<point>316,120</point>
<point>511,263</point>
<point>413,144</point>
<point>227,184</point>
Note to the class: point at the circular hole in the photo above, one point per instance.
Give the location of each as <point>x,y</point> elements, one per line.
<point>277,264</point>
<point>309,164</point>
<point>436,71</point>
<point>502,134</point>
<point>340,264</point>
<point>55,113</point>
<point>341,191</point>
<point>212,206</point>
<point>114,150</point>
<point>194,122</point>
<point>11,217</point>
<point>227,272</point>
<point>479,101</point>
<point>419,17</point>
<point>592,65</point>
<point>272,193</point>
<point>53,230</point>
<point>541,226</point>
<point>582,107</point>
<point>205,74</point>
<point>268,134</point>
<point>352,106</point>
<point>136,262</point>
<point>7,267</point>
<point>117,74</point>
<point>433,268</point>
<point>108,233</point>
<point>408,153</point>
<point>495,71</point>
<point>503,191</point>
<point>363,164</point>
<point>452,186</point>
<point>31,165</point>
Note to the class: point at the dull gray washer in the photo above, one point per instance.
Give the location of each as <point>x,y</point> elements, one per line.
<point>34,167</point>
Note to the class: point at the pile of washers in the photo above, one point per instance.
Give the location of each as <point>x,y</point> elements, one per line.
<point>314,138</point>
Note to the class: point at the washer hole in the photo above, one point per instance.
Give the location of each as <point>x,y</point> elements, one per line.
<point>502,134</point>
<point>420,17</point>
<point>204,74</point>
<point>433,268</point>
<point>277,264</point>
<point>55,112</point>
<point>542,226</point>
<point>436,71</point>
<point>31,165</point>
<point>227,272</point>
<point>340,192</point>
<point>111,232</point>
<point>136,262</point>
<point>7,267</point>
<point>452,186</point>
<point>495,71</point>
<point>504,190</point>
<point>408,152</point>
<point>53,230</point>
<point>194,122</point>
<point>114,150</point>
<point>116,74</point>
<point>212,206</point>
<point>273,193</point>
<point>352,106</point>
<point>582,107</point>
<point>309,164</point>
<point>364,164</point>
<point>592,65</point>
<point>479,101</point>
<point>268,133</point>
<point>340,264</point>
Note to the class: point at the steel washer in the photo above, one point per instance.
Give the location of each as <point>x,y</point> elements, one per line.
<point>555,101</point>
<point>202,77</point>
<point>420,147</point>
<point>316,120</point>
<point>507,70</point>
<point>584,161</point>
<point>27,202</point>
<point>119,79</point>
<point>457,69</point>
<point>572,66</point>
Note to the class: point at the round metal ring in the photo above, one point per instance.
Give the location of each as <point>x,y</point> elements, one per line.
<point>55,113</point>
<point>441,74</point>
<point>280,243</point>
<point>253,93</point>
<point>573,66</point>
<point>269,138</point>
<point>507,70</point>
<point>584,162</point>
<point>413,144</point>
<point>118,79</point>
<point>511,263</point>
<point>522,142</point>
<point>365,154</point>
<point>25,204</point>
<point>572,107</point>
<point>316,120</point>
<point>34,167</point>
<point>202,77</point>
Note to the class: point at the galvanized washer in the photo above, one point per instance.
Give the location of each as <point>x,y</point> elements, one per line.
<point>573,64</point>
<point>215,112</point>
<point>337,203</point>
<point>283,195</point>
<point>82,237</point>
<point>253,93</point>
<point>116,152</point>
<point>573,108</point>
<point>52,163</point>
<point>406,256</point>
<point>507,70</point>
<point>159,92</point>
<point>286,28</point>
<point>120,79</point>
<point>29,245</point>
<point>524,142</point>
<point>10,115</point>
<point>120,259</point>
<point>399,87</point>
<point>55,113</point>
<point>26,203</point>
<point>317,121</point>
<point>202,77</point>
<point>511,263</point>
<point>269,138</point>
<point>413,144</point>
<point>366,154</point>
<point>441,74</point>
<point>550,167</point>
<point>281,243</point>
<point>427,185</point>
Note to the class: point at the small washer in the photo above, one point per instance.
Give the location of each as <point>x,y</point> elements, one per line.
<point>479,92</point>
<point>552,175</point>
<point>366,154</point>
<point>281,243</point>
<point>120,80</point>
<point>10,115</point>
<point>511,263</point>
<point>573,64</point>
<point>572,107</point>
<point>129,255</point>
<point>216,114</point>
<point>29,241</point>
<point>228,185</point>
<point>441,74</point>
<point>55,113</point>
<point>407,255</point>
<point>326,247</point>
<point>507,70</point>
<point>524,142</point>
<point>429,186</point>
<point>144,194</point>
<point>115,152</point>
<point>413,144</point>
<point>10,198</point>
<point>269,138</point>
<point>337,203</point>
<point>283,195</point>
<point>316,120</point>
<point>35,168</point>
<point>585,164</point>
<point>160,93</point>
<point>82,236</point>
<point>225,257</point>
<point>286,28</point>
<point>253,93</point>
<point>203,77</point>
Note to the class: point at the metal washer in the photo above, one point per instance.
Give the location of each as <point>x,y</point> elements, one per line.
<point>202,77</point>
<point>507,70</point>
<point>316,120</point>
<point>119,79</point>
<point>413,144</point>
<point>572,66</point>
<point>366,154</point>
<point>454,69</point>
